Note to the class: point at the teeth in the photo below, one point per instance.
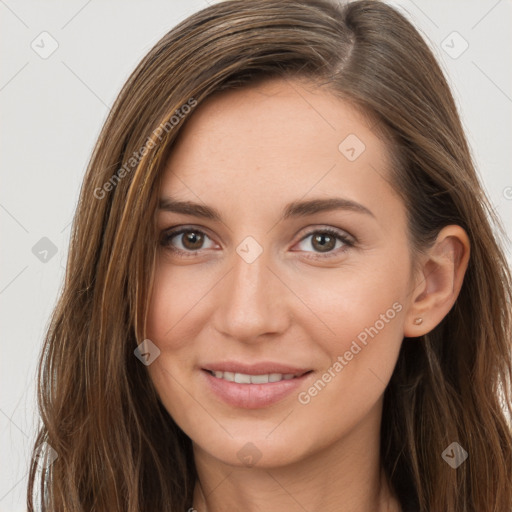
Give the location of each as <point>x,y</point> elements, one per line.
<point>244,378</point>
<point>229,376</point>
<point>259,379</point>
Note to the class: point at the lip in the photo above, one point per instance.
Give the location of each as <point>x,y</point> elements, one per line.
<point>253,396</point>
<point>254,368</point>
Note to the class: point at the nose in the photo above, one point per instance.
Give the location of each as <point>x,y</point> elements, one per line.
<point>252,301</point>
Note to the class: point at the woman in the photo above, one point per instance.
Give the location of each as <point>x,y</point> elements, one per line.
<point>283,290</point>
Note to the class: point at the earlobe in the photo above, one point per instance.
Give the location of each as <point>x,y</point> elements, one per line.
<point>439,281</point>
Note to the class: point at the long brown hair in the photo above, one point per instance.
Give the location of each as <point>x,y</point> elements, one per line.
<point>118,448</point>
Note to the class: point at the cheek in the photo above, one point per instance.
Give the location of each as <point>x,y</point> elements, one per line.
<point>354,304</point>
<point>360,333</point>
<point>176,293</point>
<point>168,326</point>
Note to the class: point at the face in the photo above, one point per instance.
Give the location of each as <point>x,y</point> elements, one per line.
<point>279,300</point>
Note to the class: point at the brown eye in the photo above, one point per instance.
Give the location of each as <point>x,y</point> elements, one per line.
<point>185,240</point>
<point>192,240</point>
<point>324,242</point>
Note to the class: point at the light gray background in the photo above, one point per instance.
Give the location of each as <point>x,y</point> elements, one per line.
<point>52,110</point>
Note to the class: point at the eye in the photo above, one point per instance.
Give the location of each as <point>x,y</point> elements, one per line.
<point>324,242</point>
<point>188,245</point>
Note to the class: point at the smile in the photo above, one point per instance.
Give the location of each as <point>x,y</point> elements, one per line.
<point>244,378</point>
<point>254,389</point>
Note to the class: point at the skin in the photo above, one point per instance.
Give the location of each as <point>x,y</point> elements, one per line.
<point>248,153</point>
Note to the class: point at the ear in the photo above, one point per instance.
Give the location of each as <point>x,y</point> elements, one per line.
<point>438,281</point>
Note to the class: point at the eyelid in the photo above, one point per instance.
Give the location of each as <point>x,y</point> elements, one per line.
<point>347,239</point>
<point>328,229</point>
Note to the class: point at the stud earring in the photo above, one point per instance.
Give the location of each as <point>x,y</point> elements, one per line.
<point>418,321</point>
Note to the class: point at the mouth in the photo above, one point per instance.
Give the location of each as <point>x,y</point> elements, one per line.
<point>253,386</point>
<point>247,378</point>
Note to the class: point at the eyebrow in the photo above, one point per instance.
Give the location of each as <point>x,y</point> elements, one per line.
<point>293,209</point>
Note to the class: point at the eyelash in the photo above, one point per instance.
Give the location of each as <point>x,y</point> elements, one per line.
<point>170,234</point>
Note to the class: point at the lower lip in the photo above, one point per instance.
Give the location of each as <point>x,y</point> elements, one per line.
<point>252,396</point>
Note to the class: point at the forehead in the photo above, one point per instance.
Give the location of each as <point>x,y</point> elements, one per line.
<point>273,141</point>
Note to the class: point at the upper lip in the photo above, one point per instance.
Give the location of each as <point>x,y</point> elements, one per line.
<point>260,368</point>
